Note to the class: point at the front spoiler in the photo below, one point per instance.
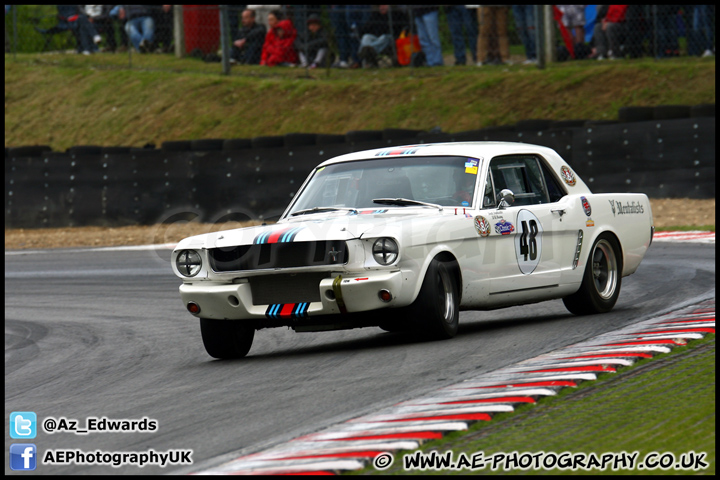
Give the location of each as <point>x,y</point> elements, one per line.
<point>339,295</point>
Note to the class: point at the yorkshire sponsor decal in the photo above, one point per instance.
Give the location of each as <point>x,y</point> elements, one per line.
<point>503,227</point>
<point>629,208</point>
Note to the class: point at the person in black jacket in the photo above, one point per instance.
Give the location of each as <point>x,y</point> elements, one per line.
<point>312,44</point>
<point>379,32</point>
<point>248,42</point>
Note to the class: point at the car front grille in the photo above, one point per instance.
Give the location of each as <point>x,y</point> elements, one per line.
<point>278,255</point>
<point>286,288</point>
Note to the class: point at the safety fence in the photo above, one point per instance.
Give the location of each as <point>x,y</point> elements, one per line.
<point>370,36</point>
<point>665,151</point>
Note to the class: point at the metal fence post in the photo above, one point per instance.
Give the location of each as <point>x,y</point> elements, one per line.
<point>224,39</point>
<point>15,29</point>
<point>178,31</point>
<point>549,33</point>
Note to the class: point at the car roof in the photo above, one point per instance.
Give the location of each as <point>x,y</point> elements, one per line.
<point>469,149</point>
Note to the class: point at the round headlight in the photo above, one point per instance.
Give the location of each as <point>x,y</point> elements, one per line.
<point>385,251</point>
<point>188,263</point>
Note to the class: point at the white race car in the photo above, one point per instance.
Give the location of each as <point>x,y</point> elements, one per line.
<point>404,238</point>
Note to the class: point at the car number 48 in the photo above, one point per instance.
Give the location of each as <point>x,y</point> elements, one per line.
<point>528,241</point>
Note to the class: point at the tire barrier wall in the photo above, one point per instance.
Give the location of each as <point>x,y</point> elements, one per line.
<point>241,179</point>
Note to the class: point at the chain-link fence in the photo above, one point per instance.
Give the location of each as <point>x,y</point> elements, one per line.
<point>361,36</point>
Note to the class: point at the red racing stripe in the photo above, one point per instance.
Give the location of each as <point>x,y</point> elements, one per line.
<point>287,310</point>
<point>275,236</point>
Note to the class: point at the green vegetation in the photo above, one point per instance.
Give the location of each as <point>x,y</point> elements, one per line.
<point>664,404</point>
<point>64,99</point>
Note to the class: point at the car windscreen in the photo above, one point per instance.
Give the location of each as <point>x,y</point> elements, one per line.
<point>441,180</point>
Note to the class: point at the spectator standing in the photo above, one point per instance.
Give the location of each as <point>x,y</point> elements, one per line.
<point>278,48</point>
<point>379,32</point>
<point>248,41</point>
<point>667,30</point>
<point>609,31</point>
<point>163,17</point>
<point>462,30</point>
<point>346,21</point>
<point>72,18</point>
<point>636,18</point>
<point>493,41</point>
<point>139,25</point>
<point>574,19</point>
<point>525,25</point>
<point>312,45</point>
<point>426,22</point>
<point>701,33</point>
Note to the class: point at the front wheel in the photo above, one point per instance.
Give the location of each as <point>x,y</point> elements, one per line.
<point>226,338</point>
<point>600,286</point>
<point>437,304</point>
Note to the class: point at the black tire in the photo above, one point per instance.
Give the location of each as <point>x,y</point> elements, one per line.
<point>702,110</point>
<point>176,146</point>
<point>600,286</point>
<point>206,144</point>
<point>226,338</point>
<point>300,139</point>
<point>437,304</point>
<point>635,114</point>
<point>237,144</point>
<point>671,112</point>
<point>27,151</point>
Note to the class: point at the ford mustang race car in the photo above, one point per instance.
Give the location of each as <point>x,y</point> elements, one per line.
<point>404,238</point>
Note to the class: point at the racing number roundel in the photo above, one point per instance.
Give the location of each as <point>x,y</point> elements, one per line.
<point>528,241</point>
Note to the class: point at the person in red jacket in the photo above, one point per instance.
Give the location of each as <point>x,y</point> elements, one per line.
<point>278,48</point>
<point>609,31</point>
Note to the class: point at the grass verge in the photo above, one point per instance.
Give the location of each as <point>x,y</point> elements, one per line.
<point>665,404</point>
<point>65,100</point>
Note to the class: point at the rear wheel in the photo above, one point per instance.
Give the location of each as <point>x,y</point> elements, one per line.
<point>437,304</point>
<point>226,338</point>
<point>600,287</point>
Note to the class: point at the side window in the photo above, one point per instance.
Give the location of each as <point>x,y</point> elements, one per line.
<point>524,175</point>
<point>489,197</point>
<point>555,189</point>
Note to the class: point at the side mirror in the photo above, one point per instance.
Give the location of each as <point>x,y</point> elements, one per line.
<point>505,198</point>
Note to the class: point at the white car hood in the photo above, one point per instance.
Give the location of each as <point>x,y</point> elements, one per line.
<point>322,227</point>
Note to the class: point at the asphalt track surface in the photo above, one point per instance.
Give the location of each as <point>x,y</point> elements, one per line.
<point>104,334</point>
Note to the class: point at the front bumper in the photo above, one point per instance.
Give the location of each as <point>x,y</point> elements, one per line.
<point>339,294</point>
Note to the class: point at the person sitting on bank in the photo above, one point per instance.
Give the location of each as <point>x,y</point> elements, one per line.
<point>248,42</point>
<point>313,45</point>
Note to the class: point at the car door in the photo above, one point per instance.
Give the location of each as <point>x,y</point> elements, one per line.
<point>531,239</point>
